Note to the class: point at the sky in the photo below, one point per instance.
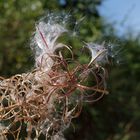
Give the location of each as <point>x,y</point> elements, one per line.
<point>125,14</point>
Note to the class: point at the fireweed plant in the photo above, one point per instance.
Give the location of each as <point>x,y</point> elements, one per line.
<point>45,100</point>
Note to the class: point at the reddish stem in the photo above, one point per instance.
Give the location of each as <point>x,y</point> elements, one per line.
<point>43,38</point>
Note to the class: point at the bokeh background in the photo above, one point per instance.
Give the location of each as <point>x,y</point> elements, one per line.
<point>117,115</point>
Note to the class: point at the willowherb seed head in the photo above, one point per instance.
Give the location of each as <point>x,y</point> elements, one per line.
<point>99,54</point>
<point>44,42</point>
<point>46,99</point>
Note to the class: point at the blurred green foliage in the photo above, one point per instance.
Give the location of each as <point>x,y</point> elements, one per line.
<point>117,115</point>
<point>17,19</point>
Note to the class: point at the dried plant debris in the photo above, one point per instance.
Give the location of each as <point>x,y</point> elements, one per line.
<point>42,103</point>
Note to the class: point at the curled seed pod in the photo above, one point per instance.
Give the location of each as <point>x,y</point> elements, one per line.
<point>45,100</point>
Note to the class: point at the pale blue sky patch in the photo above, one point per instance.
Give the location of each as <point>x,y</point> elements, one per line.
<point>124,14</point>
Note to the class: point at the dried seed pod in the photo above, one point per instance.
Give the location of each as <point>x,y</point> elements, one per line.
<point>45,100</point>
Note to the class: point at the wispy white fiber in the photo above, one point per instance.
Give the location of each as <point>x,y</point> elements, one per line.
<point>98,53</point>
<point>45,42</point>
